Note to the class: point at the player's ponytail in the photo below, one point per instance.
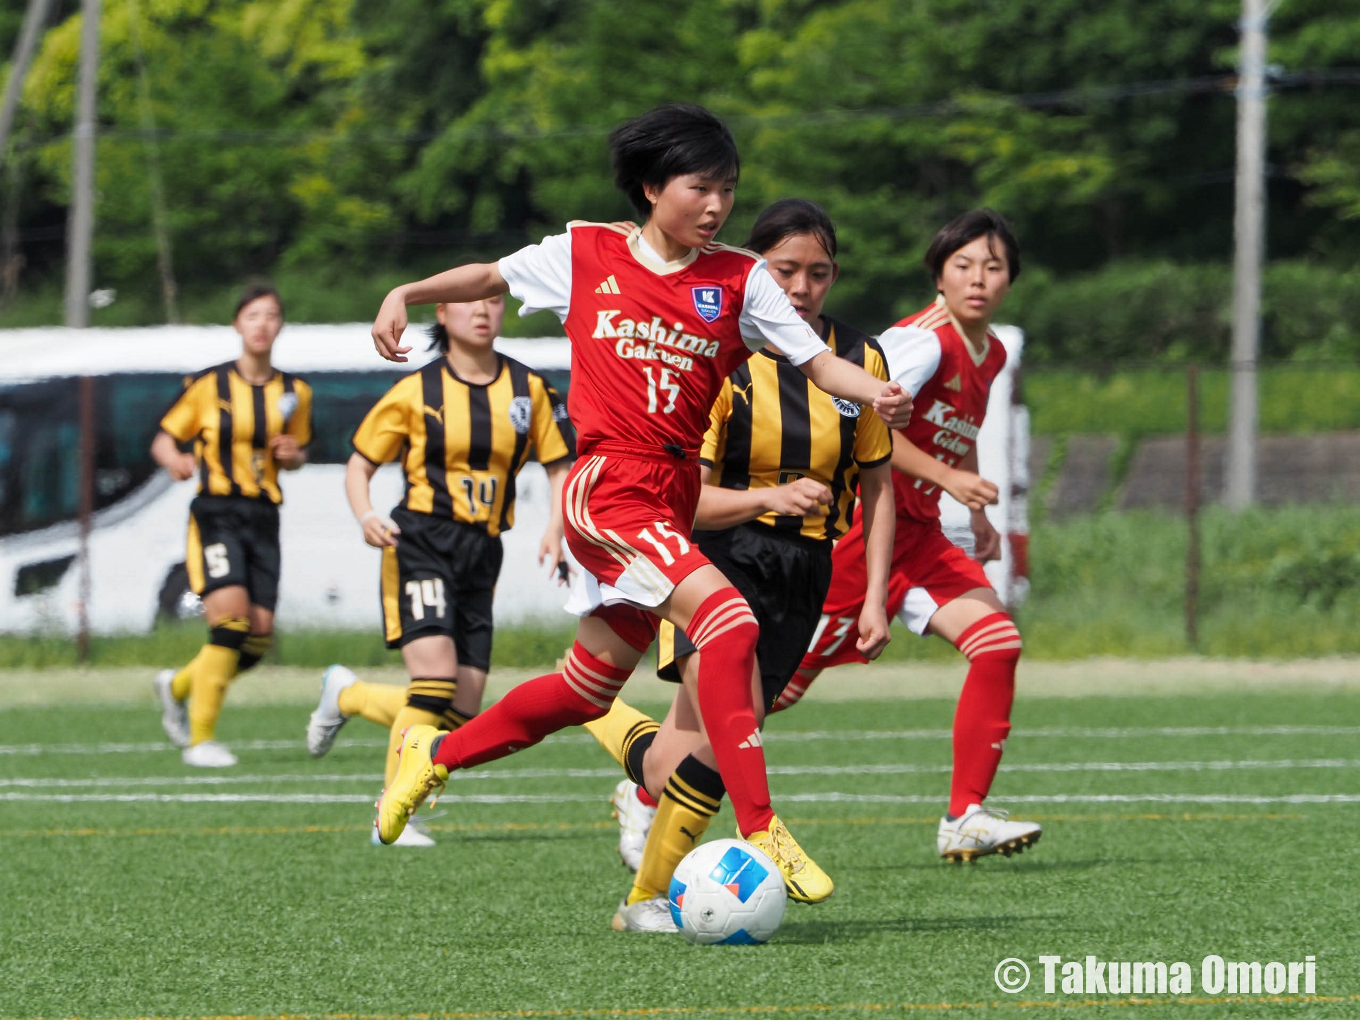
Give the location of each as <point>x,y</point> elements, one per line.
<point>439,338</point>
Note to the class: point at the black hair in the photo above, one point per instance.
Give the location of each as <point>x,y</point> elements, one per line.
<point>439,337</point>
<point>787,217</point>
<point>254,290</point>
<point>665,142</point>
<point>967,228</point>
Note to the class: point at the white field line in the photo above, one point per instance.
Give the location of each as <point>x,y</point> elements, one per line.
<point>775,736</point>
<point>801,798</point>
<point>124,782</point>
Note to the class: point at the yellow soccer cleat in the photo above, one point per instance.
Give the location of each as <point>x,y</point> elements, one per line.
<point>417,777</point>
<point>804,880</point>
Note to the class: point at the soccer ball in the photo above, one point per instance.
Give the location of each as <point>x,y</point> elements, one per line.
<point>727,893</point>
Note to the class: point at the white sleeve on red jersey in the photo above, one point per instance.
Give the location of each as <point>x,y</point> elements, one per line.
<point>539,276</point>
<point>913,355</point>
<point>767,317</point>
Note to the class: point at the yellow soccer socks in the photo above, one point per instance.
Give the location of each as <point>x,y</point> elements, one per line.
<point>427,699</point>
<point>378,703</point>
<point>210,673</point>
<point>692,797</point>
<point>625,733</point>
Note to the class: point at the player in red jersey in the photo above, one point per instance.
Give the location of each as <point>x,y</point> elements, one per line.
<point>947,356</point>
<point>658,317</point>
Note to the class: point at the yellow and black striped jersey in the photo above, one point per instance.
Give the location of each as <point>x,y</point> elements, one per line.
<point>231,422</point>
<point>770,426</point>
<point>461,444</point>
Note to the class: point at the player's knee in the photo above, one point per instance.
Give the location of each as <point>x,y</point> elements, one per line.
<point>595,682</point>
<point>230,633</point>
<point>431,694</point>
<point>725,616</point>
<point>994,638</point>
<point>253,649</point>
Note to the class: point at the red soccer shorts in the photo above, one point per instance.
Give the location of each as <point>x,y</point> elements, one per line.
<point>628,521</point>
<point>927,572</point>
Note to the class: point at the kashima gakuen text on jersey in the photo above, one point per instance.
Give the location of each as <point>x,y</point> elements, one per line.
<point>671,346</point>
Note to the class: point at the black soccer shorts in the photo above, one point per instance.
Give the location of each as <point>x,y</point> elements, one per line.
<point>439,580</point>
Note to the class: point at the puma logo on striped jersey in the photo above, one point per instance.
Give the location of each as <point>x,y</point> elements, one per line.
<point>610,286</point>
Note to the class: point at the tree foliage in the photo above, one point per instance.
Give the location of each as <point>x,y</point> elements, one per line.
<point>337,136</point>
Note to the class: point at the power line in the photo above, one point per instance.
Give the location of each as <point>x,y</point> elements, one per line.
<point>1079,97</point>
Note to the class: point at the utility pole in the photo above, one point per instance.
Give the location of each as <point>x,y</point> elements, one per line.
<point>80,222</point>
<point>34,19</point>
<point>1249,237</point>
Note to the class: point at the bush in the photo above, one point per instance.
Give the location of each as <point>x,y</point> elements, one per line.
<point>1165,311</point>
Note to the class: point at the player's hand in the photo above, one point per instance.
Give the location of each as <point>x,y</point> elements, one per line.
<point>893,405</point>
<point>550,553</point>
<point>802,497</point>
<point>286,449</point>
<point>873,630</point>
<point>389,326</point>
<point>986,539</point>
<point>380,530</point>
<point>973,491</point>
<point>182,467</point>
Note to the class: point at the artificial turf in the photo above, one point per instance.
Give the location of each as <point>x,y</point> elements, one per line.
<point>1175,827</point>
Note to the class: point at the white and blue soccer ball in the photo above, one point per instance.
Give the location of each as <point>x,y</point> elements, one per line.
<point>727,893</point>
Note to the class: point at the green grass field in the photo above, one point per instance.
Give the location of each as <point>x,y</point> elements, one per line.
<point>1219,820</point>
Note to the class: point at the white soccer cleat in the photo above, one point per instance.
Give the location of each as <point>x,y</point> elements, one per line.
<point>174,714</point>
<point>209,755</point>
<point>411,836</point>
<point>635,821</point>
<point>325,722</point>
<point>981,831</point>
<point>645,915</point>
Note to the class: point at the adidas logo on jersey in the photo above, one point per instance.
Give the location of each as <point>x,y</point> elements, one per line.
<point>954,384</point>
<point>610,286</point>
<point>752,741</point>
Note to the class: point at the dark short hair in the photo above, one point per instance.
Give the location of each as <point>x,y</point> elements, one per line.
<point>665,142</point>
<point>787,217</point>
<point>253,290</point>
<point>968,228</point>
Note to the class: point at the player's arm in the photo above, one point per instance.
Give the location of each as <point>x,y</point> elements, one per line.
<point>462,283</point>
<point>986,539</point>
<point>967,486</point>
<point>848,381</point>
<point>879,516</point>
<point>767,315</point>
<point>165,451</point>
<point>721,508</point>
<point>379,529</point>
<point>550,546</point>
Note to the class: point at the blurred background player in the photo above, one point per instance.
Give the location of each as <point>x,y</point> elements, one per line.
<point>246,420</point>
<point>464,426</point>
<point>780,463</point>
<point>658,318</point>
<point>947,357</point>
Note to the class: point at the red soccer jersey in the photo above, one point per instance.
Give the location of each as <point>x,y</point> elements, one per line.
<point>652,342</point>
<point>949,382</point>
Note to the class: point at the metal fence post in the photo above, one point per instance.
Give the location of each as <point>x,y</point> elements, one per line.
<point>1192,554</point>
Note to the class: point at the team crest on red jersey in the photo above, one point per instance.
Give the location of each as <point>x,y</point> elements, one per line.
<point>708,302</point>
